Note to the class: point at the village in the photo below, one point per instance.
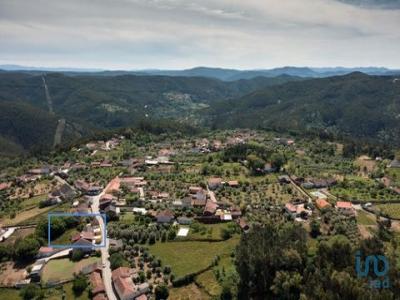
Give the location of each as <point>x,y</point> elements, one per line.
<point>136,212</point>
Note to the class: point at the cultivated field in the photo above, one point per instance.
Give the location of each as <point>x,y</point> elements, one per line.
<point>189,257</point>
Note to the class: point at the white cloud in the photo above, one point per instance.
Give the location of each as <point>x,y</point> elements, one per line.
<point>184,33</point>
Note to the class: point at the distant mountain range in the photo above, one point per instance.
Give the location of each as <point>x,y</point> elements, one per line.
<point>217,73</point>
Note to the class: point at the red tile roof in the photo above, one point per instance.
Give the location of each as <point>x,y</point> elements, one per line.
<point>97,283</point>
<point>44,250</point>
<point>344,205</point>
<point>215,180</point>
<point>322,203</point>
<point>195,189</point>
<point>290,207</point>
<point>211,207</point>
<point>165,213</point>
<point>125,287</point>
<point>122,272</point>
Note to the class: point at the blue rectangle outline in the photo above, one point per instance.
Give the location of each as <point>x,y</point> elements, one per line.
<point>104,232</point>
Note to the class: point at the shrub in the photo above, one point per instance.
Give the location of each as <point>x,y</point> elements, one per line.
<point>79,284</point>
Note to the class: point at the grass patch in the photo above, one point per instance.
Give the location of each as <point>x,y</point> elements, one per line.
<point>362,189</point>
<point>33,202</point>
<point>64,269</point>
<point>189,257</point>
<point>312,246</point>
<point>188,292</point>
<point>9,294</point>
<point>392,210</point>
<point>364,218</point>
<point>127,218</point>
<point>26,216</point>
<point>69,293</point>
<point>207,231</point>
<point>208,282</point>
<point>65,238</point>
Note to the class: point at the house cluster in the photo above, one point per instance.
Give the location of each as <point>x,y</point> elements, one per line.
<point>91,233</point>
<point>89,189</point>
<point>104,145</point>
<point>101,164</point>
<point>213,211</point>
<point>206,146</point>
<point>34,174</point>
<point>123,282</point>
<point>133,184</point>
<point>298,209</point>
<point>204,201</point>
<point>314,183</point>
<point>344,207</point>
<point>108,205</point>
<point>63,193</point>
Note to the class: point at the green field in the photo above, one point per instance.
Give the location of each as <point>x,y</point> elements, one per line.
<point>364,218</point>
<point>66,289</point>
<point>127,218</point>
<point>50,294</point>
<point>188,292</point>
<point>64,269</point>
<point>362,189</point>
<point>189,257</point>
<point>209,283</point>
<point>392,210</point>
<point>207,231</point>
<point>394,174</point>
<point>9,294</point>
<point>65,238</point>
<point>33,202</point>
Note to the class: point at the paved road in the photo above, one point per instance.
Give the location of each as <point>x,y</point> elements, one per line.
<point>106,271</point>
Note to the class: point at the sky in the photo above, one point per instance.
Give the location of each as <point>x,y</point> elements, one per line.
<point>178,34</point>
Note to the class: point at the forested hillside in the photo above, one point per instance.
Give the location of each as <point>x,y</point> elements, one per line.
<point>355,105</point>
<point>103,102</point>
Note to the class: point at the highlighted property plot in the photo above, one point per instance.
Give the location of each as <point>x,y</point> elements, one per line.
<point>90,230</point>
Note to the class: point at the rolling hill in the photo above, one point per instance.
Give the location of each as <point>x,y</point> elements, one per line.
<point>356,105</point>
<point>90,103</point>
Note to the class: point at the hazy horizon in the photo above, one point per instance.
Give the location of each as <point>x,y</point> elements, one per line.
<point>99,69</point>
